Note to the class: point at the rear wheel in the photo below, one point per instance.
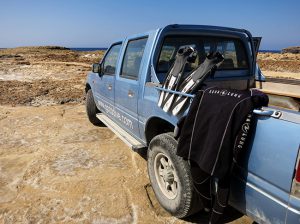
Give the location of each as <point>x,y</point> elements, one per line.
<point>91,108</point>
<point>170,177</point>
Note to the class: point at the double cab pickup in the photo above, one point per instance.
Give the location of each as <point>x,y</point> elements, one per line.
<point>123,92</point>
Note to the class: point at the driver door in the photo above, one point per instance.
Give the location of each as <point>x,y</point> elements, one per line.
<point>106,82</point>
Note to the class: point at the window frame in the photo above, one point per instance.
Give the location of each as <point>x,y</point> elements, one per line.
<point>125,51</point>
<point>105,56</point>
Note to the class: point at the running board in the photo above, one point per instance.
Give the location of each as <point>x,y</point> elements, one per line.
<point>134,144</point>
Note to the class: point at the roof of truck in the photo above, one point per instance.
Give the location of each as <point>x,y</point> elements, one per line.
<point>203,27</point>
<point>186,27</point>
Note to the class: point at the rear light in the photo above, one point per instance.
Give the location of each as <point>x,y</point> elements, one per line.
<point>297,176</point>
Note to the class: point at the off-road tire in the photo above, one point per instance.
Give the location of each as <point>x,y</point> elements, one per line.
<point>186,201</point>
<point>91,109</point>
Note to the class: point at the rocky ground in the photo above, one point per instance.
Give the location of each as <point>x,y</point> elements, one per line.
<point>285,65</point>
<point>55,167</point>
<point>44,76</point>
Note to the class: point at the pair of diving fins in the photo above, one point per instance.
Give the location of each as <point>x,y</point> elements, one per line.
<point>176,103</point>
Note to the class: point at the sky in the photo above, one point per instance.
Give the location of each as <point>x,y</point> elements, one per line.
<point>97,23</point>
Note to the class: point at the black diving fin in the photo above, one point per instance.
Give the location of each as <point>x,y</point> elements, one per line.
<point>173,77</point>
<point>192,82</point>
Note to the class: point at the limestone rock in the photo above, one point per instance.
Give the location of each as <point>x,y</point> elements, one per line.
<point>293,50</point>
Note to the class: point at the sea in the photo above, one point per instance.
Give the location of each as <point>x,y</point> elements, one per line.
<point>104,48</point>
<point>269,51</point>
<point>89,48</point>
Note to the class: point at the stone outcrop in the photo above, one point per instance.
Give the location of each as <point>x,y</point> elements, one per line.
<point>293,50</point>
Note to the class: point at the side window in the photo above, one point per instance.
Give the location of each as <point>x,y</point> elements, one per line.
<point>132,58</point>
<point>110,60</point>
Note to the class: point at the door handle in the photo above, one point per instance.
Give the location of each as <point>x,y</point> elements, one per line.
<point>269,113</point>
<point>109,86</point>
<point>130,93</point>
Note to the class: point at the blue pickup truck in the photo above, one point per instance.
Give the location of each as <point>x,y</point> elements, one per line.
<point>123,90</point>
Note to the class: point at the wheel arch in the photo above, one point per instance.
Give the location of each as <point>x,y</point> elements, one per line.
<point>156,126</point>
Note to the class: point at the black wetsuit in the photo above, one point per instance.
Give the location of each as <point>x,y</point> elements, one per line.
<point>212,134</point>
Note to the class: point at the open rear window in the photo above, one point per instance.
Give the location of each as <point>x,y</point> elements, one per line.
<point>232,49</point>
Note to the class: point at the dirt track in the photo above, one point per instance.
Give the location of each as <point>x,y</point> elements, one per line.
<point>58,168</point>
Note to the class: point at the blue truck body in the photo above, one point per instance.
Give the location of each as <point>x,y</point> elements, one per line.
<point>263,185</point>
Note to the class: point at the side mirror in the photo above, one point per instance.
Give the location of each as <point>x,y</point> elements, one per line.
<point>96,68</point>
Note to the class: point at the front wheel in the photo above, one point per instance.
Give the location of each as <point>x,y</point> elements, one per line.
<point>171,178</point>
<point>91,108</point>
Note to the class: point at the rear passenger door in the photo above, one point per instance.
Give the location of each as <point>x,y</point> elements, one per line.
<point>127,85</point>
<point>106,81</point>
